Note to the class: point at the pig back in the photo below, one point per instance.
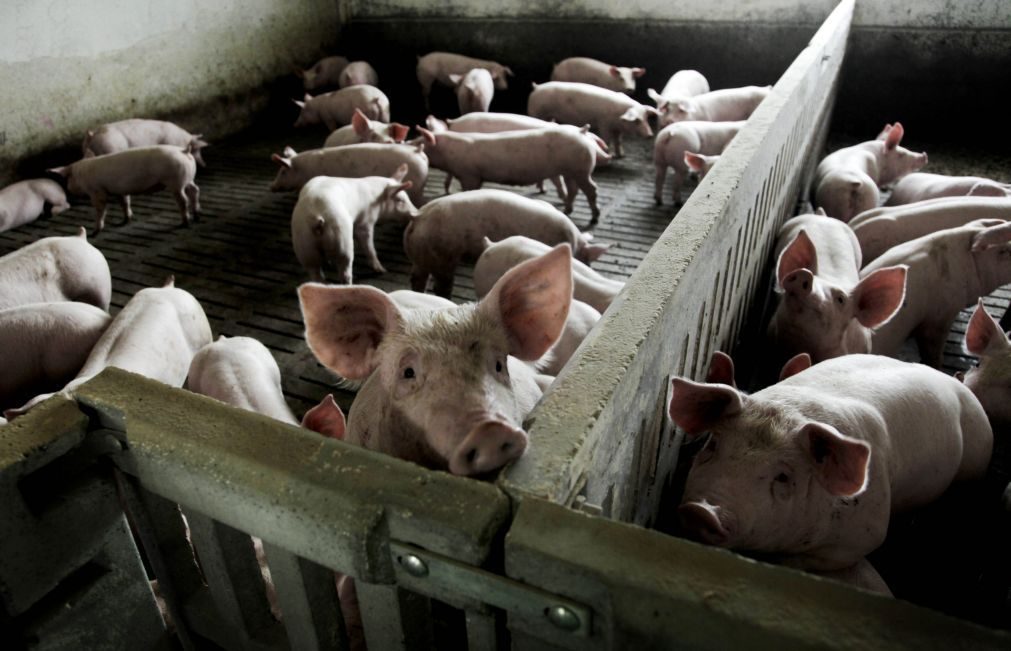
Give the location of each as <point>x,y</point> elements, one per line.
<point>135,171</point>
<point>578,104</point>
<point>366,159</point>
<point>55,269</point>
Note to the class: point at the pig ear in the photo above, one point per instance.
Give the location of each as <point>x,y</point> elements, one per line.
<point>326,418</point>
<point>485,243</point>
<point>298,72</point>
<point>696,407</point>
<point>285,162</point>
<point>593,251</point>
<point>400,173</point>
<point>298,103</point>
<point>631,115</point>
<point>289,152</point>
<point>455,79</point>
<point>638,72</point>
<point>880,295</point>
<point>61,171</point>
<point>991,236</point>
<point>400,131</point>
<point>306,97</point>
<point>345,325</point>
<point>821,211</point>
<point>796,364</point>
<point>841,462</point>
<point>655,96</point>
<point>614,71</point>
<point>532,302</point>
<point>360,122</point>
<point>508,71</point>
<point>798,254</point>
<point>983,334</point>
<point>721,370</point>
<point>426,134</point>
<point>694,162</point>
<point>894,136</point>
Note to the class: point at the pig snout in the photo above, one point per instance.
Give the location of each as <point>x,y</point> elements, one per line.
<point>702,521</point>
<point>798,283</point>
<point>488,446</point>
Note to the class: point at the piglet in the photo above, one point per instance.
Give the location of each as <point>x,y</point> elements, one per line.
<point>846,182</point>
<point>450,230</point>
<point>55,269</point>
<point>920,186</point>
<point>23,202</point>
<point>682,85</point>
<point>155,335</point>
<point>362,129</point>
<point>948,271</point>
<point>335,214</point>
<point>335,108</point>
<point>499,257</point>
<point>726,105</point>
<point>444,388</point>
<point>325,72</point>
<point>609,113</point>
<point>127,134</point>
<point>809,470</point>
<point>358,73</point>
<point>591,71</point>
<point>673,143</point>
<point>45,345</point>
<point>135,171</point>
<point>438,66</point>
<point>990,381</point>
<point>474,90</point>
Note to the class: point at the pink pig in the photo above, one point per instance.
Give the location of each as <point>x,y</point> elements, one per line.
<point>451,229</point>
<point>683,85</point>
<point>335,108</point>
<point>591,71</point>
<point>55,269</point>
<point>358,73</point>
<point>991,380</point>
<point>474,90</point>
<point>325,72</point>
<point>127,134</point>
<point>726,105</point>
<point>438,66</point>
<point>846,181</point>
<point>920,186</point>
<point>362,129</point>
<point>443,388</point>
<point>948,271</point>
<point>674,141</point>
<point>810,470</point>
<point>23,202</point>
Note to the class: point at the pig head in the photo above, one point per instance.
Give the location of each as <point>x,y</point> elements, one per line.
<point>990,381</point>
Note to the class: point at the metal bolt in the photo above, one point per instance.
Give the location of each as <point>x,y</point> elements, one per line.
<point>563,618</point>
<point>414,565</point>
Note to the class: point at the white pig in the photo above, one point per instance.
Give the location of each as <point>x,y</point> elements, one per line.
<point>135,171</point>
<point>334,215</point>
<point>607,112</point>
<point>948,271</point>
<point>127,134</point>
<point>24,201</point>
<point>499,257</point>
<point>354,161</point>
<point>474,90</point>
<point>726,105</point>
<point>591,71</point>
<point>445,388</point>
<point>846,182</point>
<point>675,140</point>
<point>358,73</point>
<point>518,158</point>
<point>920,186</point>
<point>990,381</point>
<point>362,129</point>
<point>880,229</point>
<point>335,108</point>
<point>325,72</point>
<point>826,308</point>
<point>810,470</point>
<point>55,269</point>
<point>45,345</point>
<point>438,66</point>
<point>451,229</point>
<point>155,335</point>
<point>682,85</point>
<point>700,164</point>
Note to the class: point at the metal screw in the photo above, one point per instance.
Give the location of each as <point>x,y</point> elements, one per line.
<point>414,565</point>
<point>563,618</point>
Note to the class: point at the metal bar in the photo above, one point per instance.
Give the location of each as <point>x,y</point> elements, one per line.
<point>394,618</point>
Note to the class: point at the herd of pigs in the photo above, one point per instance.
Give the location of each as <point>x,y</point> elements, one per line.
<point>809,469</point>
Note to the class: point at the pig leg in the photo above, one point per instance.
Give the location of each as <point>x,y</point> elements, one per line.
<point>449,181</point>
<point>675,190</point>
<point>616,143</point>
<point>99,202</point>
<point>661,176</point>
<point>470,182</point>
<point>364,241</point>
<point>589,188</point>
<point>184,208</point>
<point>443,285</point>
<point>559,188</point>
<point>193,194</point>
<point>930,337</point>
<point>124,201</point>
<point>419,279</point>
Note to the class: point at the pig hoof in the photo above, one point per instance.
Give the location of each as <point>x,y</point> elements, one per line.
<point>658,201</point>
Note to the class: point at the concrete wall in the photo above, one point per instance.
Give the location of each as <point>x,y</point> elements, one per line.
<point>67,65</point>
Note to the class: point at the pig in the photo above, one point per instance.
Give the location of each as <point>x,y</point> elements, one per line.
<point>55,269</point>
<point>827,309</point>
<point>156,335</point>
<point>675,140</point>
<point>591,71</point>
<point>23,202</point>
<point>948,271</point>
<point>450,230</point>
<point>517,158</point>
<point>127,134</point>
<point>325,72</point>
<point>846,182</point>
<point>474,90</point>
<point>358,73</point>
<point>920,186</point>
<point>608,112</point>
<point>880,229</point>
<point>438,66</point>
<point>726,105</point>
<point>700,164</point>
<point>721,368</point>
<point>354,161</point>
<point>362,129</point>
<point>810,470</point>
<point>334,109</point>
<point>990,381</point>
<point>682,85</point>
<point>45,345</point>
<point>334,214</point>
<point>445,388</point>
<point>139,170</point>
<point>499,257</point>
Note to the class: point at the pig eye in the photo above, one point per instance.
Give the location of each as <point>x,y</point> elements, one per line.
<point>498,366</point>
<point>840,299</point>
<point>408,373</point>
